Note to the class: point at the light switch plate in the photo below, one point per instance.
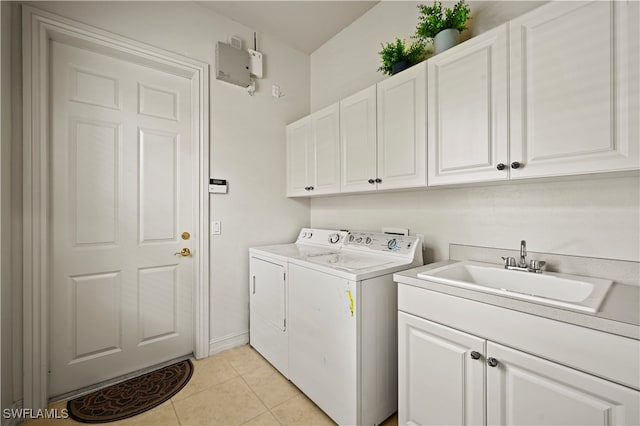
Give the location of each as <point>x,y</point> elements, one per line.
<point>216,227</point>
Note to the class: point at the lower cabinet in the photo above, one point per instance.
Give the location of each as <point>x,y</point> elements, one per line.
<point>450,377</point>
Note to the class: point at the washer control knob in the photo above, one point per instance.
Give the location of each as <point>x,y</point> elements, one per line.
<point>309,234</point>
<point>334,238</point>
<point>351,238</point>
<point>392,244</point>
<point>367,240</point>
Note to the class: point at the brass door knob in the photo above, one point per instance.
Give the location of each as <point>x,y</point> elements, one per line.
<point>184,252</point>
<point>186,235</point>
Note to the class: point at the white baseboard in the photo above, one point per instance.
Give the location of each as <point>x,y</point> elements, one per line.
<point>229,341</point>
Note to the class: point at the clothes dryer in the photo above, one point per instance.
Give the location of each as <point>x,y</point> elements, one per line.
<point>268,290</point>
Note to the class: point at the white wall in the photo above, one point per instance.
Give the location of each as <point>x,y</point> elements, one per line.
<point>581,216</point>
<point>247,138</point>
<point>349,61</point>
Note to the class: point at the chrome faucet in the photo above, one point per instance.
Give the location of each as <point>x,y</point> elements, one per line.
<point>535,266</point>
<point>523,254</point>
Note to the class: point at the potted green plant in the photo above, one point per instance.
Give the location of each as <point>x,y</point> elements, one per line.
<point>443,25</point>
<point>397,56</point>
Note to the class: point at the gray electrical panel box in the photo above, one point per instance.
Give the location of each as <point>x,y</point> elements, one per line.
<point>232,65</point>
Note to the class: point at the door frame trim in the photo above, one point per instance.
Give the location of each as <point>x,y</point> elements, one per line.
<point>38,28</point>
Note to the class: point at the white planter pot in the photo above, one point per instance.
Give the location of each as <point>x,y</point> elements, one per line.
<point>445,39</point>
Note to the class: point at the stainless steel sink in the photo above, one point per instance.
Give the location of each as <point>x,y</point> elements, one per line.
<point>562,290</point>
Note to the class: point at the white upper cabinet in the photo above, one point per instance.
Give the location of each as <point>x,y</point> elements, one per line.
<point>313,153</point>
<point>574,89</point>
<point>299,153</point>
<point>401,122</point>
<point>467,111</point>
<point>358,141</point>
<point>325,133</point>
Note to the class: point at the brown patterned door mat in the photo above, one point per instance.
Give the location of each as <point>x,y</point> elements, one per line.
<point>131,397</point>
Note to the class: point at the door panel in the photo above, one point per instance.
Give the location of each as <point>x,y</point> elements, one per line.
<point>299,153</point>
<point>439,382</point>
<point>325,125</point>
<point>467,108</point>
<point>574,93</point>
<point>527,390</point>
<point>402,129</point>
<point>122,192</point>
<point>268,312</point>
<point>358,141</point>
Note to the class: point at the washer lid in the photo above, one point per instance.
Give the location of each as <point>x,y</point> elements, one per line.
<point>350,262</point>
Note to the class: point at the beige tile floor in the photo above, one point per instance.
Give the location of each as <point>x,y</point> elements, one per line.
<point>235,387</point>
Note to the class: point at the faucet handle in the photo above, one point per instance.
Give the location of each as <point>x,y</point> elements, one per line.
<point>509,261</point>
<point>536,265</point>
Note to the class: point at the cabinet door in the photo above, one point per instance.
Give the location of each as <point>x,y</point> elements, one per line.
<point>526,390</point>
<point>467,111</point>
<point>439,383</point>
<point>574,89</point>
<point>299,150</point>
<point>401,125</point>
<point>358,141</point>
<point>267,309</point>
<point>325,166</point>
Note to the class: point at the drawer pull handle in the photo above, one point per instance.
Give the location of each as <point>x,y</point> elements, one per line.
<point>492,361</point>
<point>475,355</point>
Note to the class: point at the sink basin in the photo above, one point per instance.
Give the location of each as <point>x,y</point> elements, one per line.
<point>563,290</point>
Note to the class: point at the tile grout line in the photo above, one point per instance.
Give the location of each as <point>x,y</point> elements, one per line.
<point>175,412</point>
<point>257,396</point>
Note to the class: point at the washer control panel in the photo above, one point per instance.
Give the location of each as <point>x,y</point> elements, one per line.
<point>401,244</point>
<point>323,237</point>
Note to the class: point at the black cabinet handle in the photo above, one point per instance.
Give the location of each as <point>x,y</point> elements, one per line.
<point>500,166</point>
<point>378,180</point>
<point>515,165</point>
<point>492,361</point>
<point>475,355</point>
<point>371,181</point>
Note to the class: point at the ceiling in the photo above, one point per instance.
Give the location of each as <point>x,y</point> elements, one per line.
<point>305,25</point>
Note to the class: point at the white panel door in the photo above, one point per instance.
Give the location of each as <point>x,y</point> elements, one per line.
<point>323,313</point>
<point>358,141</point>
<point>574,91</point>
<point>526,390</point>
<point>122,194</point>
<point>299,157</point>
<point>402,103</point>
<point>325,170</point>
<point>467,111</point>
<point>439,381</point>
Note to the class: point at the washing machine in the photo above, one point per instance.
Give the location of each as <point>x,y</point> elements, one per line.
<point>343,325</point>
<point>268,288</point>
